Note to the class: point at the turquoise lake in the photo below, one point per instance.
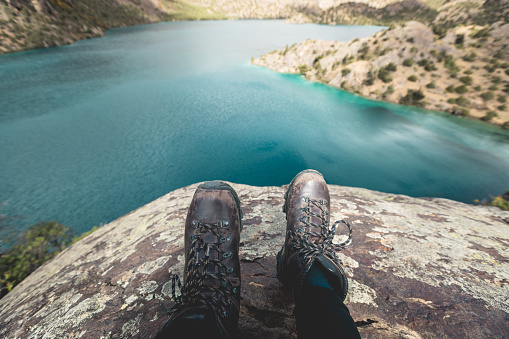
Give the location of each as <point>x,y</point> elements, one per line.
<point>91,131</point>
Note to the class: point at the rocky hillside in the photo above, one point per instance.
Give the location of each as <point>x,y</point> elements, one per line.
<point>462,70</point>
<point>353,13</point>
<point>29,24</point>
<point>418,268</point>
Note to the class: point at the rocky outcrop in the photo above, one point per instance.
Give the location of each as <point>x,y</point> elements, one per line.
<point>418,268</point>
<point>29,24</point>
<point>453,69</point>
<point>364,14</point>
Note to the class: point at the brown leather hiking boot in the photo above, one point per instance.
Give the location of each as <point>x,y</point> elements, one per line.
<point>309,235</point>
<point>212,266</point>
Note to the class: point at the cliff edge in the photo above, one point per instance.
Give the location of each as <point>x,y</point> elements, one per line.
<point>419,267</point>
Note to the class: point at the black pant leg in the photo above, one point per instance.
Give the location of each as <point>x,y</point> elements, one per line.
<point>320,313</point>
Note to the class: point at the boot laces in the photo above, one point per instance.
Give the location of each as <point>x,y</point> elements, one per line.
<point>194,291</point>
<point>310,243</point>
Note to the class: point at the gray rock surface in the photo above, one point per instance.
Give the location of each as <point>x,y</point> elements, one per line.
<point>419,268</point>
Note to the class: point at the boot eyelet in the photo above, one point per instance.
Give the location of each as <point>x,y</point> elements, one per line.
<point>229,270</point>
<point>227,255</point>
<point>225,239</point>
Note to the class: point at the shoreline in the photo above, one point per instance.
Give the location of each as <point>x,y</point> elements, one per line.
<point>411,66</point>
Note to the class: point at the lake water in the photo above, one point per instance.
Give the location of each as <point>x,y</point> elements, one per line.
<point>92,131</point>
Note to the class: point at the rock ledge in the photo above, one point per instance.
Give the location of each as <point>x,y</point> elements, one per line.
<point>418,268</point>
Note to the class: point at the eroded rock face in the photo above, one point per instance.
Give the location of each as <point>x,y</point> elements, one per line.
<point>418,268</point>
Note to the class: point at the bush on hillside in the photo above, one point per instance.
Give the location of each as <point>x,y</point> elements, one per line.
<point>408,62</point>
<point>490,115</point>
<point>413,97</point>
<point>469,57</point>
<point>462,101</point>
<point>487,96</point>
<point>461,89</point>
<point>466,80</point>
<point>31,249</point>
<point>34,247</point>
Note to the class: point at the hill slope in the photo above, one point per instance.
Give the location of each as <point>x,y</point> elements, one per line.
<point>463,70</point>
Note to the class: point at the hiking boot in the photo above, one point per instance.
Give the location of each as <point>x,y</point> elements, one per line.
<point>309,235</point>
<point>212,267</point>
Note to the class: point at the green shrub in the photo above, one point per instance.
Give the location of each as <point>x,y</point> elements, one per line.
<point>451,100</point>
<point>347,60</point>
<point>501,98</point>
<point>493,88</point>
<point>463,111</point>
<point>468,71</point>
<point>391,67</point>
<point>505,125</point>
<point>345,71</point>
<point>466,80</point>
<point>461,89</point>
<point>490,115</point>
<point>303,68</point>
<point>487,96</point>
<point>504,65</point>
<point>408,62</point>
<point>477,88</point>
<point>317,59</point>
<point>499,54</point>
<point>412,78</point>
<point>460,39</point>
<point>450,89</point>
<point>370,79</point>
<point>430,67</point>
<point>490,68</point>
<point>388,91</point>
<point>507,71</point>
<point>451,65</point>
<point>469,57</point>
<point>439,30</point>
<point>34,247</point>
<point>502,107</point>
<point>482,33</point>
<point>496,79</point>
<point>384,74</point>
<point>431,85</point>
<point>413,97</point>
<point>462,101</point>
